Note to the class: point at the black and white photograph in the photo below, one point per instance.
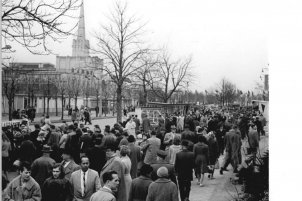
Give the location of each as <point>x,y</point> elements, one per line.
<point>136,100</point>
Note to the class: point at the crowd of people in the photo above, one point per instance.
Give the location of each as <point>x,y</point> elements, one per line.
<point>131,160</point>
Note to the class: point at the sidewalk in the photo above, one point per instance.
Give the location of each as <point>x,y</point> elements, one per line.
<point>221,188</point>
<point>57,119</point>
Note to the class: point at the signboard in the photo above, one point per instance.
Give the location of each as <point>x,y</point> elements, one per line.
<point>152,114</point>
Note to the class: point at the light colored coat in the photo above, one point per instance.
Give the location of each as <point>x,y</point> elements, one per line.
<point>115,164</point>
<point>153,145</point>
<point>103,195</point>
<point>92,185</point>
<point>71,167</point>
<point>31,191</point>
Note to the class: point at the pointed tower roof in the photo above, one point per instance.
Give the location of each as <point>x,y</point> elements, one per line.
<point>81,27</point>
<point>80,46</point>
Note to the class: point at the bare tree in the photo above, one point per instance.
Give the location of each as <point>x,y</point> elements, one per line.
<point>35,23</point>
<point>61,85</point>
<point>144,74</point>
<point>10,85</point>
<point>74,87</point>
<point>226,92</point>
<point>96,90</point>
<point>170,76</point>
<point>119,44</point>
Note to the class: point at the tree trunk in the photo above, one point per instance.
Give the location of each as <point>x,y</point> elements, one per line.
<point>48,106</point>
<point>32,98</point>
<point>69,100</point>
<point>97,104</point>
<point>44,104</point>
<point>75,101</point>
<point>119,104</point>
<point>62,99</point>
<point>56,105</point>
<point>28,97</point>
<point>10,106</point>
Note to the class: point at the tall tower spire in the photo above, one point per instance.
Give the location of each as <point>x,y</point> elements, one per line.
<point>80,46</point>
<point>81,28</point>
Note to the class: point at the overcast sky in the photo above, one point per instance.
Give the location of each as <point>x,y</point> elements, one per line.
<point>227,38</point>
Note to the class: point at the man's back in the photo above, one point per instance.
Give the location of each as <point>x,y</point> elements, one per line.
<point>135,157</point>
<point>41,169</point>
<point>139,188</point>
<point>170,168</point>
<point>253,139</point>
<point>184,164</point>
<point>162,189</point>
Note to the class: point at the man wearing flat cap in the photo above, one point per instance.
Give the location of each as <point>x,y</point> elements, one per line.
<point>42,167</point>
<point>163,188</point>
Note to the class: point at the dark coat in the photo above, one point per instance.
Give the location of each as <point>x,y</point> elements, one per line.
<point>213,151</point>
<point>146,124</point>
<point>85,143</point>
<point>97,158</point>
<point>253,138</point>
<point>201,153</point>
<point>139,188</point>
<point>162,189</point>
<point>184,164</point>
<point>27,151</point>
<point>41,169</point>
<point>233,145</point>
<point>135,157</point>
<point>33,135</point>
<point>56,189</point>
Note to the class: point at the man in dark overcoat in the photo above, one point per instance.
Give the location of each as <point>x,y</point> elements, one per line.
<point>184,164</point>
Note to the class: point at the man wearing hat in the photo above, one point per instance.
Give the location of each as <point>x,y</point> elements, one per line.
<point>139,186</point>
<point>163,188</point>
<point>69,166</point>
<point>42,167</point>
<point>161,162</point>
<point>184,164</point>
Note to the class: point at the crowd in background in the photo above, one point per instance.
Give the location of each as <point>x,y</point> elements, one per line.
<point>130,160</point>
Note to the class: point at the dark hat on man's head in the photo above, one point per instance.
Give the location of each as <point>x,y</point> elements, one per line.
<point>146,169</point>
<point>71,127</point>
<point>46,149</point>
<point>186,126</point>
